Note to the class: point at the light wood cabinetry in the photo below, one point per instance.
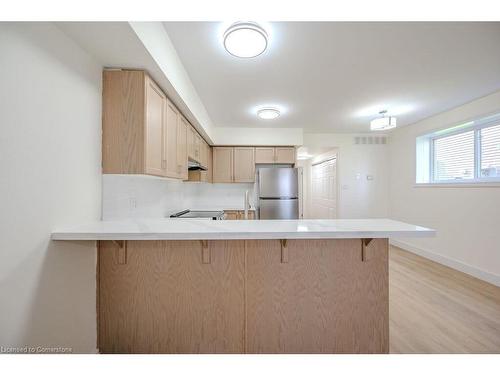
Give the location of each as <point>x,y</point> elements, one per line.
<point>317,296</point>
<point>264,155</point>
<point>272,155</point>
<point>170,142</point>
<point>156,132</point>
<point>197,147</point>
<point>128,124</point>
<point>210,164</point>
<point>244,164</point>
<point>253,296</point>
<point>172,297</point>
<point>239,215</point>
<point>222,164</point>
<point>233,164</point>
<point>142,130</point>
<point>182,157</point>
<point>204,153</point>
<point>191,134</point>
<point>284,155</point>
<point>194,144</point>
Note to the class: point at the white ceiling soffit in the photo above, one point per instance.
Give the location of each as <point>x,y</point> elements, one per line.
<point>143,45</point>
<point>335,77</point>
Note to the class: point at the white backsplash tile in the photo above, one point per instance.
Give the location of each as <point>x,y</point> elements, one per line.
<point>134,196</point>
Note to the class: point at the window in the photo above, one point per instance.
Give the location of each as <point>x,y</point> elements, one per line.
<point>467,153</point>
<point>454,157</point>
<point>490,152</point>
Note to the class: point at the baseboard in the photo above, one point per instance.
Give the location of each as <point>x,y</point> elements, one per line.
<point>452,263</point>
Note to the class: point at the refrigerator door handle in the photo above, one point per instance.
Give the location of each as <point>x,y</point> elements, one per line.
<point>278,198</point>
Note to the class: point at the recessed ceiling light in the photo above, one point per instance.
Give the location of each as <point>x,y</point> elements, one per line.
<point>245,39</point>
<point>268,113</point>
<point>383,123</point>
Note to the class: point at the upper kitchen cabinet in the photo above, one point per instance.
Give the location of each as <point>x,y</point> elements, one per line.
<point>141,133</point>
<point>132,124</point>
<point>170,142</point>
<point>156,132</point>
<point>233,164</point>
<point>244,164</point>
<point>284,155</point>
<point>222,164</point>
<point>204,152</point>
<point>275,155</point>
<point>182,157</point>
<point>194,143</point>
<point>264,155</point>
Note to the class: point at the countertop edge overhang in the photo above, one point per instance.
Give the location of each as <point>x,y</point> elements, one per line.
<point>194,229</point>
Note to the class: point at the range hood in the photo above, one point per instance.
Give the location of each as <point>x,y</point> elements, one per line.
<point>195,166</point>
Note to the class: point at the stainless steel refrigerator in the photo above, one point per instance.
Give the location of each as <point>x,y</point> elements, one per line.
<point>278,193</point>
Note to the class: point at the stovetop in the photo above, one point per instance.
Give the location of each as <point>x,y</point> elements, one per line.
<point>188,214</point>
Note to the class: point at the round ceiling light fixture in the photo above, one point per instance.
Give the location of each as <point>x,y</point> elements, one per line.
<point>383,123</point>
<point>245,39</point>
<point>268,113</point>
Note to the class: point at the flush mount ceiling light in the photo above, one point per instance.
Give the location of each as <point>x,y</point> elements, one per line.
<point>245,39</point>
<point>268,113</point>
<point>383,123</point>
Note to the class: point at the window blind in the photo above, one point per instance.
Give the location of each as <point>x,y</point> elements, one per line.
<point>454,157</point>
<point>490,151</point>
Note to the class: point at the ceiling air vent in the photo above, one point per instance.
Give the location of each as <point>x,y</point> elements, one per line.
<point>370,140</point>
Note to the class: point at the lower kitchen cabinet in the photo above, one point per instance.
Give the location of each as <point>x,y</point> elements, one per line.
<point>243,296</point>
<point>171,297</point>
<point>238,215</point>
<point>316,296</point>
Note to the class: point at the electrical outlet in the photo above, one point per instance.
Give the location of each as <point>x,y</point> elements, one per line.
<point>132,204</point>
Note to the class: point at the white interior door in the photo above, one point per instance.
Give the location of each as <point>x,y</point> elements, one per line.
<point>324,190</point>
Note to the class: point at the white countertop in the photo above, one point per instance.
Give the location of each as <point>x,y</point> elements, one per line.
<point>199,229</point>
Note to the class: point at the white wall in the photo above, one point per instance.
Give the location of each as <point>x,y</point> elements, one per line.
<point>258,136</point>
<point>158,44</point>
<point>50,118</point>
<point>357,198</point>
<point>467,219</point>
<point>138,196</point>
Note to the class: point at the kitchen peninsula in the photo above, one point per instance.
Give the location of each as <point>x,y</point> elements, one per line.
<point>244,286</point>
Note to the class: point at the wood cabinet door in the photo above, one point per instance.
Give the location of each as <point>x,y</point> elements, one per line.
<point>172,297</point>
<point>232,215</point>
<point>222,164</point>
<point>170,142</point>
<point>210,165</point>
<point>317,296</point>
<point>203,153</point>
<point>156,103</point>
<point>244,164</point>
<point>197,147</point>
<point>191,142</point>
<point>182,157</point>
<point>285,155</point>
<point>264,155</point>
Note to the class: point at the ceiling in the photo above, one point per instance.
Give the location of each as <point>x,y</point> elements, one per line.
<point>335,77</point>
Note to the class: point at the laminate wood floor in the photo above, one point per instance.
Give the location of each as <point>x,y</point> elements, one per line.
<point>435,309</point>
